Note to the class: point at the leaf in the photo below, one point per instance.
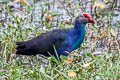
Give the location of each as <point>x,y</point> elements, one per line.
<point>78,6</point>
<point>63,74</point>
<point>42,69</point>
<point>67,21</point>
<point>63,57</point>
<point>53,59</point>
<point>62,25</point>
<point>20,1</point>
<point>98,37</point>
<point>74,53</point>
<point>113,33</point>
<point>17,1</point>
<point>55,14</point>
<point>49,17</point>
<point>86,65</point>
<point>101,5</point>
<point>92,38</point>
<point>105,34</point>
<point>71,73</point>
<point>68,61</point>
<point>24,1</point>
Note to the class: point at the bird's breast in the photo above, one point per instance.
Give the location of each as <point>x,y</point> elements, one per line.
<point>78,40</point>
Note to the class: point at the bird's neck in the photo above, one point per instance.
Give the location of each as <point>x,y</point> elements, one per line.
<point>79,27</point>
<point>80,31</point>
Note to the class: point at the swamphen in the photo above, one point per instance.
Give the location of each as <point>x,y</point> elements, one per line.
<point>64,40</point>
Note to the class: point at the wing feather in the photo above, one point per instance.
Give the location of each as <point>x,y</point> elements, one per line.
<point>42,43</point>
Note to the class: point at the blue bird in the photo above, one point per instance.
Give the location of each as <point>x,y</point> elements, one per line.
<point>64,40</point>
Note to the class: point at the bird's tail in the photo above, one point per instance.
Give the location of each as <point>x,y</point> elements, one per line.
<point>22,49</point>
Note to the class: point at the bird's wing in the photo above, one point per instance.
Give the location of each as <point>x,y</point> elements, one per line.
<point>42,43</point>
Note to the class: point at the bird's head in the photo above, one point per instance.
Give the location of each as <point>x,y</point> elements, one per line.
<point>84,19</point>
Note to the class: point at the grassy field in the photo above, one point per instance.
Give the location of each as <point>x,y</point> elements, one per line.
<point>98,58</point>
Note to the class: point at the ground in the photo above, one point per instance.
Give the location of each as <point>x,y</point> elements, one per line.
<point>98,58</point>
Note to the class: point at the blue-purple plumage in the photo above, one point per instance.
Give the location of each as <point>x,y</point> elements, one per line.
<point>64,40</point>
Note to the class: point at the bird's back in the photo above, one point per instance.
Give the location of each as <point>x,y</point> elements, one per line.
<point>43,43</point>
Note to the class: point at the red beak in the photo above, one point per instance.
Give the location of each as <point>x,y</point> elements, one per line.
<point>92,20</point>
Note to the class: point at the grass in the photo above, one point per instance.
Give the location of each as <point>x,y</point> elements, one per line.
<point>98,58</point>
